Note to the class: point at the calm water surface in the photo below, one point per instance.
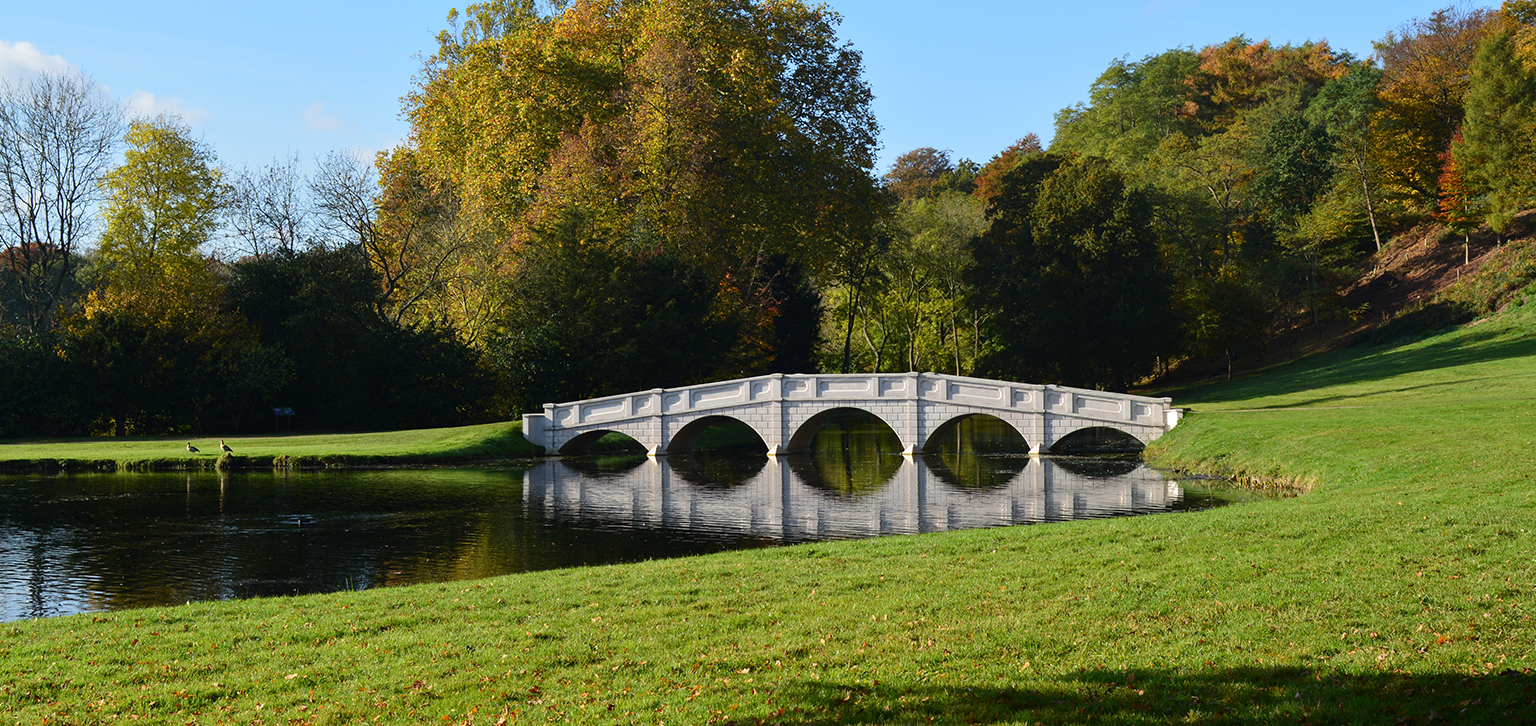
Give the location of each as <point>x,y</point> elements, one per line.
<point>82,543</point>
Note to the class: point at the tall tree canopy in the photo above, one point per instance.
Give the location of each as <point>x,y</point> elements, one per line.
<point>725,127</point>
<point>735,136</point>
<point>1427,69</point>
<point>1070,264</point>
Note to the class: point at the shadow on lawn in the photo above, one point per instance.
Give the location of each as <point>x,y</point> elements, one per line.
<point>1356,365</point>
<point>1239,696</point>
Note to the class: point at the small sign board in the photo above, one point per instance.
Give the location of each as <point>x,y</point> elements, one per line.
<point>282,412</point>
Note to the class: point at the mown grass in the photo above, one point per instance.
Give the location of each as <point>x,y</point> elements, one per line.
<point>1397,589</point>
<point>420,446</point>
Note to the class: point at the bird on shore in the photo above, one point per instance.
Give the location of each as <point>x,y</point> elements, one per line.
<point>225,447</point>
<point>192,449</point>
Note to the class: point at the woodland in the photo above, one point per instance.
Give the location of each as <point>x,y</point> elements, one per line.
<point>600,196</point>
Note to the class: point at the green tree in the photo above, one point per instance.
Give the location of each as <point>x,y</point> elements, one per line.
<point>599,317</point>
<point>1497,151</point>
<point>1345,106</point>
<point>1070,265</point>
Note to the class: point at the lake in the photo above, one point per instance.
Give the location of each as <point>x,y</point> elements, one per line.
<point>94,542</point>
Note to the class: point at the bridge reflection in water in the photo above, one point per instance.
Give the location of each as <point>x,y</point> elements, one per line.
<point>803,498</point>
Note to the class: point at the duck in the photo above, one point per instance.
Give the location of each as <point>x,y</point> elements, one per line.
<point>225,447</point>
<point>192,449</point>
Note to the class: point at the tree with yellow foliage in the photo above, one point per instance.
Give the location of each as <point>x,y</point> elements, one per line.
<point>163,204</point>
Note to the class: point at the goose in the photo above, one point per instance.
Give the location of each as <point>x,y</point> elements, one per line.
<point>225,447</point>
<point>192,449</point>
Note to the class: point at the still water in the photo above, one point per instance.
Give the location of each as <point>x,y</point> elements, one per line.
<point>79,543</point>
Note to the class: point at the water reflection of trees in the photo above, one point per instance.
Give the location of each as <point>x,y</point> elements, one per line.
<point>976,472</point>
<point>1097,440</point>
<point>601,466</point>
<point>1104,466</point>
<point>717,469</point>
<point>118,541</point>
<point>977,452</point>
<point>854,453</point>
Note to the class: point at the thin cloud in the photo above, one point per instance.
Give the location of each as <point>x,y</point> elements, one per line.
<point>21,62</point>
<point>143,104</point>
<point>316,118</point>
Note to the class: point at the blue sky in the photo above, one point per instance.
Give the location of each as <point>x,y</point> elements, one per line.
<point>308,77</point>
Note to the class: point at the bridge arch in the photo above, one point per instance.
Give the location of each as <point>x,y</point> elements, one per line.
<point>800,441</point>
<point>1096,439</point>
<point>684,440</point>
<point>582,443</point>
<point>935,441</point>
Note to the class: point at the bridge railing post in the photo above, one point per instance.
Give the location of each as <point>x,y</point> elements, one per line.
<point>658,423</point>
<point>776,408</point>
<point>914,432</point>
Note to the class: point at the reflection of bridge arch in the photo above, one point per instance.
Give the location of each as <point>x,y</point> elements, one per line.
<point>800,441</point>
<point>785,410</point>
<point>776,504</point>
<point>936,439</point>
<point>1096,439</point>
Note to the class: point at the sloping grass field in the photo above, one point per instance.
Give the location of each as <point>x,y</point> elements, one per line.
<point>1397,588</point>
<point>419,446</point>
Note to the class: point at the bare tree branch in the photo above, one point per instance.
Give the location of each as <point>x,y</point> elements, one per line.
<point>58,135</point>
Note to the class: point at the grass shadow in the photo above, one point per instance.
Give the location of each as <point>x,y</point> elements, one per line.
<point>1348,366</point>
<point>1232,696</point>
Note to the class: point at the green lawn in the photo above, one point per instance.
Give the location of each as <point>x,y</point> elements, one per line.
<point>1397,589</point>
<point>462,443</point>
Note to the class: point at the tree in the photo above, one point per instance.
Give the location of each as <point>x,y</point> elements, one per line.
<point>163,204</point>
<point>989,179</point>
<point>1497,151</point>
<point>731,133</point>
<point>1132,107</point>
<point>58,135</point>
<point>1070,265</point>
<point>1426,71</point>
<point>353,370</point>
<point>1460,209</point>
<point>269,210</point>
<point>598,317</point>
<point>913,175</point>
<point>1345,107</point>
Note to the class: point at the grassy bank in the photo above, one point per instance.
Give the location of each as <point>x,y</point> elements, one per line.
<point>1398,588</point>
<point>420,446</point>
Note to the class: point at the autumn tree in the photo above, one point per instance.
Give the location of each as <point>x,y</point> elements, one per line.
<point>913,175</point>
<point>728,133</point>
<point>1426,73</point>
<point>989,178</point>
<point>163,205</point>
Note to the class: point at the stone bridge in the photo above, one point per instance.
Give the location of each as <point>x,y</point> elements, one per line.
<point>786,411</point>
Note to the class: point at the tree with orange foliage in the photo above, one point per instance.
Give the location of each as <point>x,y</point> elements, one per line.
<point>1459,208</point>
<point>1240,75</point>
<point>1427,66</point>
<point>990,178</point>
